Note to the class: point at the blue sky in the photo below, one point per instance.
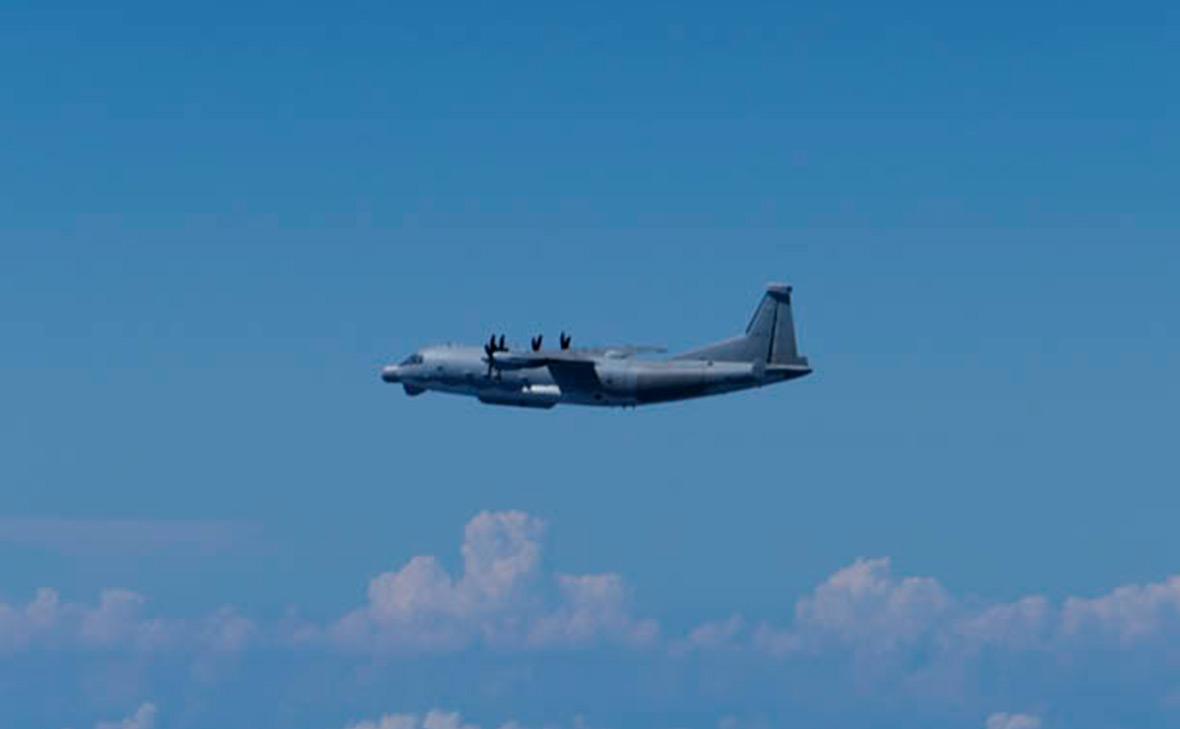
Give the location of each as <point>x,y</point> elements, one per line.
<point>216,223</point>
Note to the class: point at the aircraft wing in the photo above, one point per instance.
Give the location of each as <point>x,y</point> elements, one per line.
<point>575,375</point>
<point>513,360</point>
<point>523,359</point>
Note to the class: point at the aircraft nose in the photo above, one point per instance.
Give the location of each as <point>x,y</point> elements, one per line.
<point>390,374</point>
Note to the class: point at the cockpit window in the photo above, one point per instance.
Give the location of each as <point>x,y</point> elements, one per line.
<point>413,359</point>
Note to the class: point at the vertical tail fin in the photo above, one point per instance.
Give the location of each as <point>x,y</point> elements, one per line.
<point>772,330</point>
<point>769,338</point>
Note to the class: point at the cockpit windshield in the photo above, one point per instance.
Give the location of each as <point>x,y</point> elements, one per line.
<point>413,359</point>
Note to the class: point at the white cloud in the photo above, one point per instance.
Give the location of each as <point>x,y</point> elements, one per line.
<point>225,631</point>
<point>433,719</point>
<point>1024,624</point>
<point>440,719</point>
<point>501,599</point>
<point>1129,614</point>
<point>863,608</point>
<point>593,606</point>
<point>501,553</point>
<point>872,632</point>
<point>867,611</point>
<point>866,607</point>
<point>143,718</point>
<point>1013,721</point>
<point>712,636</point>
<point>116,623</point>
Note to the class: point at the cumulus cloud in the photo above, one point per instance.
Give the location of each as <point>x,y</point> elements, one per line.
<point>1013,721</point>
<point>502,598</point>
<point>143,718</point>
<point>592,606</point>
<point>439,719</point>
<point>712,636</point>
<point>862,608</point>
<point>117,622</point>
<point>1024,624</point>
<point>434,719</point>
<point>866,610</point>
<point>865,607</point>
<point>1129,614</point>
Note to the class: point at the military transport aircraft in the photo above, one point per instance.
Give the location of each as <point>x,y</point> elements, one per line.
<point>610,376</point>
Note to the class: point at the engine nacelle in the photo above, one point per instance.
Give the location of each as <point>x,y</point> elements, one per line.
<point>533,396</point>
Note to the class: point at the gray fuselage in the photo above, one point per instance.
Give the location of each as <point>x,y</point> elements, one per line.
<point>765,354</point>
<point>617,381</point>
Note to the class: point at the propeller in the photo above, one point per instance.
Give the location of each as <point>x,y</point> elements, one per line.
<point>565,340</point>
<point>536,342</point>
<point>490,348</point>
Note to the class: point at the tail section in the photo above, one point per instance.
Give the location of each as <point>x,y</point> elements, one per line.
<point>771,332</point>
<point>770,337</point>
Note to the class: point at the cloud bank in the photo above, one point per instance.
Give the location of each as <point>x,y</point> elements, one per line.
<point>864,631</point>
<point>504,599</point>
<point>866,611</point>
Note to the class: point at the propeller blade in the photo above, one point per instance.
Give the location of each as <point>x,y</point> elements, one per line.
<point>502,347</point>
<point>489,350</point>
